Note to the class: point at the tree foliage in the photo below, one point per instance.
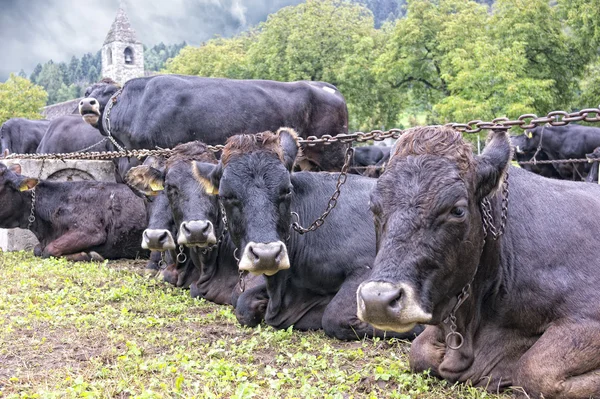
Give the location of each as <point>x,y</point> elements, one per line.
<point>19,98</point>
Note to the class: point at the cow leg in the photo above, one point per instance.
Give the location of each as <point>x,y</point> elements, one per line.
<point>72,242</point>
<point>563,363</point>
<point>251,306</point>
<point>427,351</point>
<point>340,319</point>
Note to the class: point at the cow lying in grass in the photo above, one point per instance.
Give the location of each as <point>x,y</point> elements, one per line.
<point>82,220</point>
<point>196,218</point>
<point>522,310</point>
<point>311,279</point>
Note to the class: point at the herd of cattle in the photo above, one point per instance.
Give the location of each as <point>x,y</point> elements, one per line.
<point>499,264</point>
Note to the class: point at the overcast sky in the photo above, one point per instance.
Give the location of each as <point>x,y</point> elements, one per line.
<point>35,31</point>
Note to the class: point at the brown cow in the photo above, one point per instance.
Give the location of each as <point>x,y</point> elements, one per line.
<point>522,310</point>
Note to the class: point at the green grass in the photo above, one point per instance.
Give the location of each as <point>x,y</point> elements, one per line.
<point>83,330</point>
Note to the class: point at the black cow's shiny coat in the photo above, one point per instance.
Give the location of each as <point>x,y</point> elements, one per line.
<point>22,136</point>
<point>74,217</point>
<point>168,110</point>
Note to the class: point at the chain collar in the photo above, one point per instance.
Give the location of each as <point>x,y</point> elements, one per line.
<point>111,103</point>
<point>488,229</point>
<point>31,218</point>
<point>539,147</point>
<point>332,201</point>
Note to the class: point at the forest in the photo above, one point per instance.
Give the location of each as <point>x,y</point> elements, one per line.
<point>399,63</point>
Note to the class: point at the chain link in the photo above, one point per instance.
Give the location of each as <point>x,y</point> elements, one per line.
<point>529,121</point>
<point>31,218</point>
<point>332,201</point>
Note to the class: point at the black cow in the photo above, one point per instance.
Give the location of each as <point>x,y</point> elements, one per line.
<point>160,233</point>
<point>370,160</point>
<point>21,136</point>
<point>197,214</point>
<point>311,279</point>
<point>81,220</point>
<point>563,142</point>
<point>166,110</point>
<point>546,170</point>
<point>526,306</point>
<point>69,133</point>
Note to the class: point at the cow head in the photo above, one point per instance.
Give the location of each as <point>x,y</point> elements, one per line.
<point>96,97</point>
<point>254,184</point>
<point>528,141</point>
<point>146,178</point>
<point>193,202</point>
<point>429,227</point>
<point>14,212</point>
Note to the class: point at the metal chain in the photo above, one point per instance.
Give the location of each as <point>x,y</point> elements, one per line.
<point>162,263</point>
<point>332,201</point>
<point>488,229</point>
<point>529,121</point>
<point>181,256</point>
<point>111,103</point>
<point>93,145</point>
<point>31,218</point>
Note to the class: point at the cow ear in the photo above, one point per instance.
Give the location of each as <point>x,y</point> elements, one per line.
<point>28,183</point>
<point>492,165</point>
<point>15,168</point>
<point>146,179</point>
<point>288,139</point>
<point>209,175</point>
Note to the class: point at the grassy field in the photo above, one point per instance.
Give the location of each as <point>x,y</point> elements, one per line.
<point>82,330</point>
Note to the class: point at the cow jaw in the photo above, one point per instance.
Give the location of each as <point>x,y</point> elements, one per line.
<point>390,307</point>
<point>267,259</point>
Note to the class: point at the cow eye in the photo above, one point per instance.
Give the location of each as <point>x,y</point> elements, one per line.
<point>287,192</point>
<point>458,212</point>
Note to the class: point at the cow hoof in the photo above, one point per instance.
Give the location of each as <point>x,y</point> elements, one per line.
<point>96,257</point>
<point>37,251</point>
<point>170,277</point>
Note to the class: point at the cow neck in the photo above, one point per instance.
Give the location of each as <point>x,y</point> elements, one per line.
<point>472,293</point>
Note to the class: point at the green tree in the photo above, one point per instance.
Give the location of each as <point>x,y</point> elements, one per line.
<point>20,98</point>
<point>217,58</point>
<point>309,41</point>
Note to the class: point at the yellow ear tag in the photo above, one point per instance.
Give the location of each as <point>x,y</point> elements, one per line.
<point>529,135</point>
<point>209,187</point>
<point>156,186</point>
<point>23,187</point>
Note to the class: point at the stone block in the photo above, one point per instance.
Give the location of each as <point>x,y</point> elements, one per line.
<point>54,170</point>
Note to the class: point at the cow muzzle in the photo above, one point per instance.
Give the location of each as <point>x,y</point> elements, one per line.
<point>158,240</point>
<point>89,109</point>
<point>196,233</point>
<point>267,259</point>
<point>389,307</point>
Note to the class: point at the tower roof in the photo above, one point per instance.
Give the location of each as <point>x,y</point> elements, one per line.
<point>121,30</point>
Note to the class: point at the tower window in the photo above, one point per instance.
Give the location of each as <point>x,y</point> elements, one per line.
<point>128,56</point>
<point>109,56</point>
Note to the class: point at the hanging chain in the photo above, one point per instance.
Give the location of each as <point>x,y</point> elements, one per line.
<point>181,256</point>
<point>488,228</point>
<point>162,263</point>
<point>31,218</point>
<point>111,103</point>
<point>332,201</point>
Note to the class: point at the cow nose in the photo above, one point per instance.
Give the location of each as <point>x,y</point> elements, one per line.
<point>379,303</point>
<point>157,240</point>
<point>196,233</point>
<point>261,258</point>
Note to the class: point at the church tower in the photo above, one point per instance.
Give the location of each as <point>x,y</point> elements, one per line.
<point>122,52</point>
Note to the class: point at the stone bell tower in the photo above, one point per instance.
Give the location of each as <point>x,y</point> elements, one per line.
<point>122,52</point>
